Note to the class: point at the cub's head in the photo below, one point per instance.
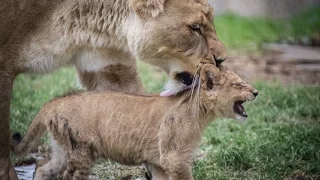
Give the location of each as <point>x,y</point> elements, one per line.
<point>223,92</point>
<point>174,35</point>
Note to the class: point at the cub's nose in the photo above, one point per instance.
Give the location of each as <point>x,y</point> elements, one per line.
<point>255,93</point>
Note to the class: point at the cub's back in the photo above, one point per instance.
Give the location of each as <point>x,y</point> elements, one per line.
<point>112,121</point>
<point>92,110</point>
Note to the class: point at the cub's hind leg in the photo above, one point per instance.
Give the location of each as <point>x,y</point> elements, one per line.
<point>53,168</point>
<point>177,165</point>
<point>78,164</point>
<point>158,173</point>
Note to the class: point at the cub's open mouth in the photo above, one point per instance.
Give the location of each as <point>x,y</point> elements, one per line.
<point>239,109</point>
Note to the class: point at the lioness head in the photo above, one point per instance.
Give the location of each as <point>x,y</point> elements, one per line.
<point>223,92</point>
<point>174,35</point>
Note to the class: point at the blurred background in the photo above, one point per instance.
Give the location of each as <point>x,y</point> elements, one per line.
<point>274,45</point>
<point>263,8</point>
<point>285,33</point>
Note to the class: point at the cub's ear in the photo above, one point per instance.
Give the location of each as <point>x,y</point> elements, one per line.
<point>210,75</point>
<point>147,8</point>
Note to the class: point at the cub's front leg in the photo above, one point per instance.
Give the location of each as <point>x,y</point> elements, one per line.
<point>178,138</point>
<point>177,166</point>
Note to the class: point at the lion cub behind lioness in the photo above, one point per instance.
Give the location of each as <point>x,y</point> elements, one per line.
<point>133,129</point>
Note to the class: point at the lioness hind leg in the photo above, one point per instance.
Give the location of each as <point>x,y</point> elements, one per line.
<point>53,168</point>
<point>7,171</point>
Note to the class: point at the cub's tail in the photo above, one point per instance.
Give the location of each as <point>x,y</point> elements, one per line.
<point>21,146</point>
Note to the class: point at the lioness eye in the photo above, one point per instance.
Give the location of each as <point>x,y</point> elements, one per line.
<point>196,27</point>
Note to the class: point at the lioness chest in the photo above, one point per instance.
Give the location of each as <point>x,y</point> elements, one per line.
<point>48,37</point>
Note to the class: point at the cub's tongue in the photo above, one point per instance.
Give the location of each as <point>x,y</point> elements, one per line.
<point>239,109</point>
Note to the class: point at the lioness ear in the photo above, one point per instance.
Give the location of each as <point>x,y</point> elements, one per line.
<point>148,8</point>
<point>209,75</point>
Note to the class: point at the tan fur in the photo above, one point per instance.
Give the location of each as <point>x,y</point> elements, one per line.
<point>40,36</point>
<point>134,129</point>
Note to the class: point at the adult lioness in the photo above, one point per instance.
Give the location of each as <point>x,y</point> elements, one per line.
<point>102,38</point>
<point>159,131</point>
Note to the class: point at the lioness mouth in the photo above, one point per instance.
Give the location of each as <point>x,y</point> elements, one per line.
<point>173,89</point>
<point>239,109</point>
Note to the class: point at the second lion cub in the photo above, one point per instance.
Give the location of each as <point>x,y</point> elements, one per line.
<point>133,129</point>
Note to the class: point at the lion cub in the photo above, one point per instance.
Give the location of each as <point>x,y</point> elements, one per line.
<point>161,132</point>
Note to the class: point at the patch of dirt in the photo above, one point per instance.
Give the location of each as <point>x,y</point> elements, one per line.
<point>26,166</point>
<point>300,175</point>
<point>286,64</point>
<point>103,169</point>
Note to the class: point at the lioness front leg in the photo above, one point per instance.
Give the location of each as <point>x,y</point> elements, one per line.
<point>6,82</point>
<point>115,77</point>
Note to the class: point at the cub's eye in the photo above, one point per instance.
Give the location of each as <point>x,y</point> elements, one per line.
<point>196,27</point>
<point>237,84</point>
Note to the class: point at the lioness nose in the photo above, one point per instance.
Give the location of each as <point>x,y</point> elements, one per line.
<point>184,77</point>
<point>219,60</point>
<point>255,93</point>
<point>220,54</point>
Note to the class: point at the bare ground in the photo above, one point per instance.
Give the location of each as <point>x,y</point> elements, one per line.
<point>285,64</point>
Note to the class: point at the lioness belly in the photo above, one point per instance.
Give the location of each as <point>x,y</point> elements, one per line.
<point>88,60</point>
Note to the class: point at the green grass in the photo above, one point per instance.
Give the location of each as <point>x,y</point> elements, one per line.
<point>248,34</point>
<point>280,139</point>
